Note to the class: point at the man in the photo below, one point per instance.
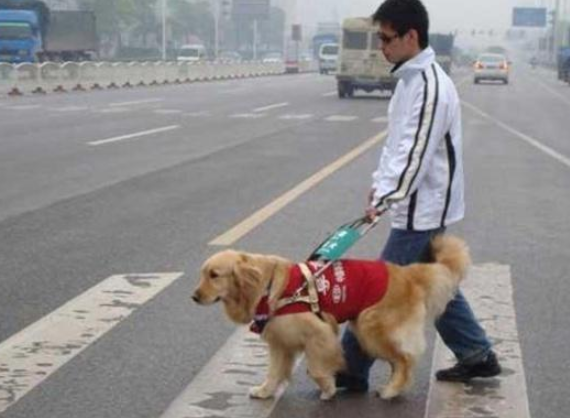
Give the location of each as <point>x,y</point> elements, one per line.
<point>420,179</point>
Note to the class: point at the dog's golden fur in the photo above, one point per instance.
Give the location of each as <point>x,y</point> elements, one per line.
<point>392,329</point>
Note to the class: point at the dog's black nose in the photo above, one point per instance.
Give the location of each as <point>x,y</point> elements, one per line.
<point>195,298</point>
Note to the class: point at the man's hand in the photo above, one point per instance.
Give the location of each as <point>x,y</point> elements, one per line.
<point>371,214</point>
<point>371,211</point>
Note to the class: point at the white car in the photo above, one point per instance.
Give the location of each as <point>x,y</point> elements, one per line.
<point>191,53</point>
<point>328,58</point>
<point>491,67</point>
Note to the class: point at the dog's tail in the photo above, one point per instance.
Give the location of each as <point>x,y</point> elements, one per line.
<point>453,253</point>
<point>452,260</point>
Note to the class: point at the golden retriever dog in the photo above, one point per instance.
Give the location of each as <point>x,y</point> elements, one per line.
<point>391,329</point>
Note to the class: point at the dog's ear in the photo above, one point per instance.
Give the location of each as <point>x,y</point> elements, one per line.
<point>280,279</point>
<point>248,280</point>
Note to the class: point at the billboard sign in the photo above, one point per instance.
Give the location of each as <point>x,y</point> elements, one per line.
<point>529,17</point>
<point>250,9</point>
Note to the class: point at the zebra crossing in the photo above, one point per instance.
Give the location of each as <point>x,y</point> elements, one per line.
<point>220,389</point>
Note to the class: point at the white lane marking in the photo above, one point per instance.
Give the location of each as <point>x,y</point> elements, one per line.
<point>136,102</point>
<point>221,389</point>
<point>24,107</point>
<point>296,117</point>
<point>135,135</point>
<point>489,290</point>
<point>271,107</point>
<point>331,93</point>
<point>534,142</point>
<point>198,114</point>
<point>70,109</point>
<point>32,355</point>
<point>341,118</point>
<point>244,227</point>
<point>381,119</point>
<point>115,110</point>
<point>248,115</point>
<point>167,111</point>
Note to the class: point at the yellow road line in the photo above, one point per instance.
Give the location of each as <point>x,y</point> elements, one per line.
<point>247,225</point>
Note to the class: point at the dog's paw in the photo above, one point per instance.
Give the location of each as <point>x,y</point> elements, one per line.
<point>388,393</point>
<point>260,392</point>
<point>328,395</point>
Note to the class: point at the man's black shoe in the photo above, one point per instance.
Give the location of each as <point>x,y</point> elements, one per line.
<point>351,383</point>
<point>488,367</point>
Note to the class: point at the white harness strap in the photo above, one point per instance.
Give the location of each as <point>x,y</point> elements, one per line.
<point>312,299</point>
<point>311,287</point>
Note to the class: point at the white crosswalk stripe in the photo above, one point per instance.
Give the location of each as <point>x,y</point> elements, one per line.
<point>242,363</point>
<point>238,365</point>
<point>32,355</point>
<point>489,291</point>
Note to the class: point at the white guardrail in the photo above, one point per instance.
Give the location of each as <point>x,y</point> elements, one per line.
<point>49,77</point>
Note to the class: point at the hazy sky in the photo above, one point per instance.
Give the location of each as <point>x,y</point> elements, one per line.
<point>445,15</point>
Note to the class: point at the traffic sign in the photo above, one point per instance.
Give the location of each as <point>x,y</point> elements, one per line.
<point>529,17</point>
<point>251,9</point>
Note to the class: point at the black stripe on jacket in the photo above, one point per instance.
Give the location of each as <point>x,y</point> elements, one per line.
<point>417,137</point>
<point>451,158</point>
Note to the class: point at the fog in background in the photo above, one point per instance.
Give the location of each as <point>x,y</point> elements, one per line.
<point>445,15</point>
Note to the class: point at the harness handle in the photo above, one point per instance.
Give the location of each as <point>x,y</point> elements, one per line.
<point>336,244</point>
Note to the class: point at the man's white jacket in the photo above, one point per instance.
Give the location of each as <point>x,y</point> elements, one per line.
<point>420,172</point>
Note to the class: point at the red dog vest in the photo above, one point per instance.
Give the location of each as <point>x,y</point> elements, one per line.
<point>344,289</point>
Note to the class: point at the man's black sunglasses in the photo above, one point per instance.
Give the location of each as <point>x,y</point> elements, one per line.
<point>385,39</point>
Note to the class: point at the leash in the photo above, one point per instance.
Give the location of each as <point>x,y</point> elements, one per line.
<point>329,251</point>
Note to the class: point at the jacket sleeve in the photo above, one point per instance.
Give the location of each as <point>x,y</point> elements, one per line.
<point>403,166</point>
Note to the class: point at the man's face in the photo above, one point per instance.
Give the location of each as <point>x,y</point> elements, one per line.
<point>395,47</point>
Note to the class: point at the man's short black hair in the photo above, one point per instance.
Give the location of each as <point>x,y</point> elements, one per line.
<point>404,15</point>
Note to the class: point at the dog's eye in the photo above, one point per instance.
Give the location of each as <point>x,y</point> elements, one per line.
<point>213,275</point>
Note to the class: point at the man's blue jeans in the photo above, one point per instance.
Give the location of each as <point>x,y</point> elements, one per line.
<point>457,327</point>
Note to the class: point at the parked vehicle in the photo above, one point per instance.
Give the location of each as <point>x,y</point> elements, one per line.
<point>192,53</point>
<point>361,65</point>
<point>272,58</point>
<point>31,32</point>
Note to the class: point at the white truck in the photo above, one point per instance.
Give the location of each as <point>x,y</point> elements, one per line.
<point>361,64</point>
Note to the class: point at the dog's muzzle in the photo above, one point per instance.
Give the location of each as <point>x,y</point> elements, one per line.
<point>196,297</point>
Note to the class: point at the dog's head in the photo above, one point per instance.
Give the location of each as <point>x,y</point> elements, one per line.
<point>236,279</point>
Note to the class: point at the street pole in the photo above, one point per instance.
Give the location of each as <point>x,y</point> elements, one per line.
<point>216,29</point>
<point>555,30</point>
<point>164,30</point>
<point>255,39</point>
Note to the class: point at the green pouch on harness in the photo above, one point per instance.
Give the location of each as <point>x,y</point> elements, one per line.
<point>338,243</point>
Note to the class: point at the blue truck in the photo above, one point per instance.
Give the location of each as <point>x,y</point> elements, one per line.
<point>323,38</point>
<point>31,32</point>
